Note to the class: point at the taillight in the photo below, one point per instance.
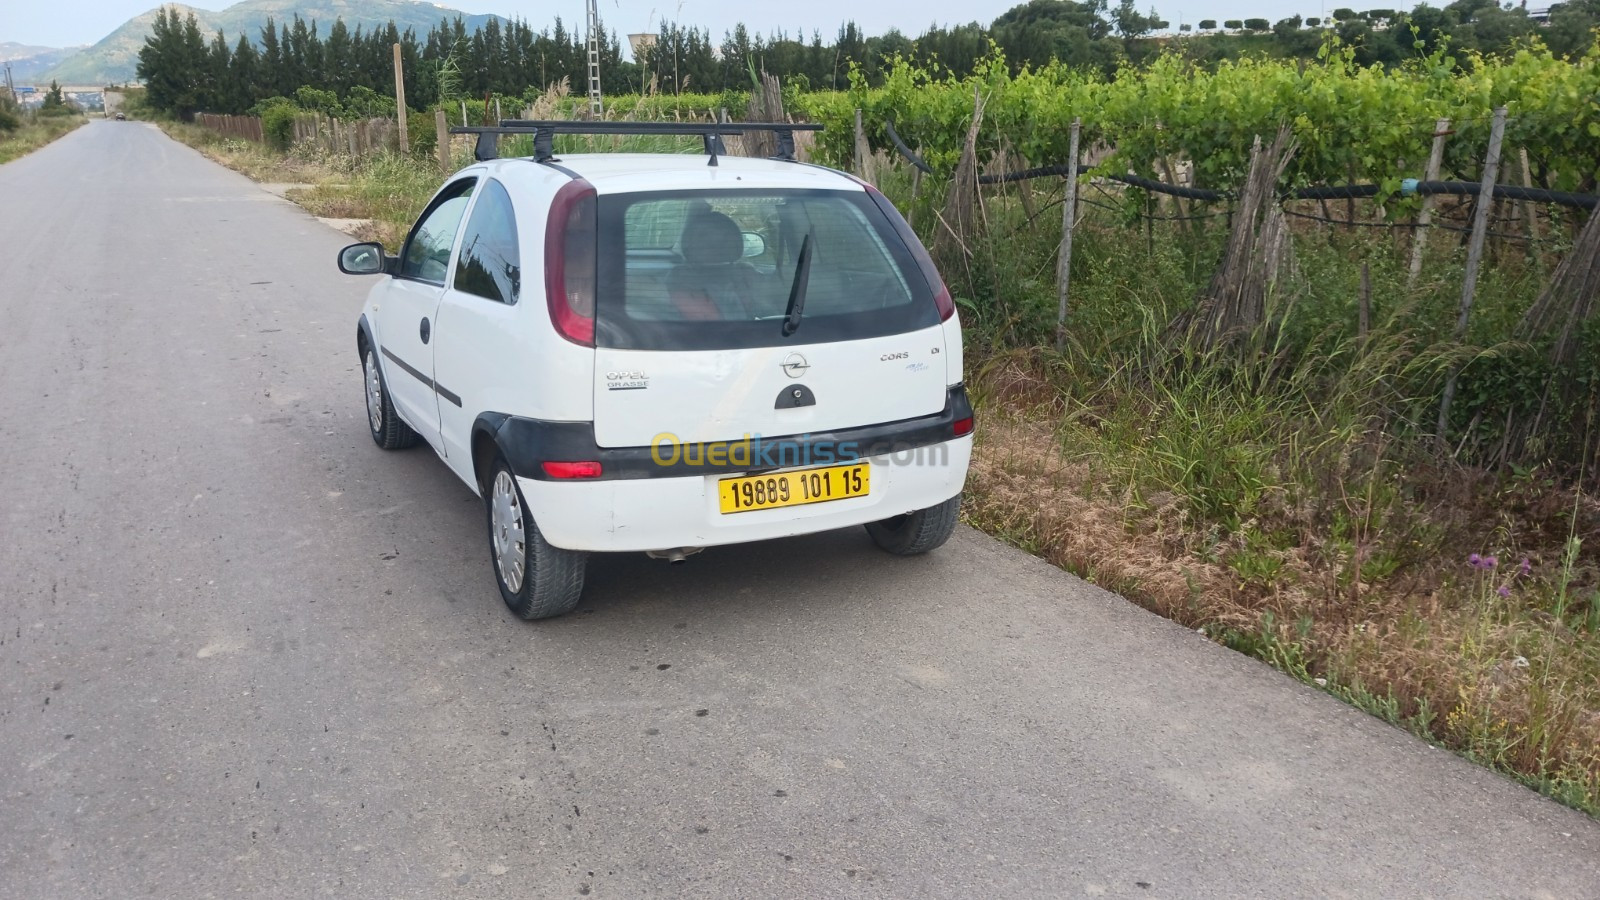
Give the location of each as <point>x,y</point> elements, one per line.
<point>941,294</point>
<point>963,426</point>
<point>571,469</point>
<point>569,263</point>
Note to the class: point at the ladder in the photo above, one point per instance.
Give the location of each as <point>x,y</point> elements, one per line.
<point>595,105</point>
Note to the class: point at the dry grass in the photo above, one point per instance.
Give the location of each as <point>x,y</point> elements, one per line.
<point>35,133</point>
<point>1512,681</point>
<point>386,190</point>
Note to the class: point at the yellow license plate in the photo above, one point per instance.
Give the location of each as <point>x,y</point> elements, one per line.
<point>751,492</point>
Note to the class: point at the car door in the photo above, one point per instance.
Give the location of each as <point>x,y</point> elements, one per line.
<point>410,305</point>
<point>479,362</point>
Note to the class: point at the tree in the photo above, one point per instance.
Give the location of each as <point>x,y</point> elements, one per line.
<point>1185,28</point>
<point>1313,22</point>
<point>1208,24</point>
<point>172,63</point>
<point>241,90</point>
<point>1233,24</point>
<point>1344,14</point>
<point>55,103</point>
<point>1256,24</point>
<point>1570,30</point>
<point>1129,22</point>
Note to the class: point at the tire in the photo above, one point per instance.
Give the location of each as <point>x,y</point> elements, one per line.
<point>386,428</point>
<point>917,532</point>
<point>548,580</point>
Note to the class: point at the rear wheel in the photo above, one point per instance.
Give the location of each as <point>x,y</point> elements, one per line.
<point>537,580</point>
<point>386,428</point>
<point>917,532</point>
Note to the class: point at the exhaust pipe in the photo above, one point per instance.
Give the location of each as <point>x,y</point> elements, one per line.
<point>675,556</point>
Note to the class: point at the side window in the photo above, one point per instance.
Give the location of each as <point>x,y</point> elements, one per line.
<point>426,256</point>
<point>489,265</point>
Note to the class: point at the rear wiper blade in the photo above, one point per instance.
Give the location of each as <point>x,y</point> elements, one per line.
<point>797,291</point>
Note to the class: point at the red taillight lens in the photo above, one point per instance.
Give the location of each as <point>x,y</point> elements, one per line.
<point>941,294</point>
<point>569,261</point>
<point>962,427</point>
<point>573,469</point>
<point>942,299</point>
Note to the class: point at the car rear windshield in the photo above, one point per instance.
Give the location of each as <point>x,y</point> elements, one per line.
<point>715,270</point>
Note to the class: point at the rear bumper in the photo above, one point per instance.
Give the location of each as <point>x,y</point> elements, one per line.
<point>529,443</point>
<point>660,513</point>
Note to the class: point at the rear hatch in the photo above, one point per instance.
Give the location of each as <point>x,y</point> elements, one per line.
<point>729,313</point>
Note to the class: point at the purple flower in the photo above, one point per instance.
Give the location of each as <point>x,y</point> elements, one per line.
<point>1475,561</point>
<point>1526,568</point>
<point>1504,590</point>
<point>1490,562</point>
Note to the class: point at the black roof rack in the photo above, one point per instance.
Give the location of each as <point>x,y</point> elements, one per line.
<point>544,133</point>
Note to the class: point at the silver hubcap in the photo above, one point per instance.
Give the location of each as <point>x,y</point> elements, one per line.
<point>374,393</point>
<point>506,531</point>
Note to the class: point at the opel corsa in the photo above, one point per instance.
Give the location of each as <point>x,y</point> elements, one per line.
<point>667,352</point>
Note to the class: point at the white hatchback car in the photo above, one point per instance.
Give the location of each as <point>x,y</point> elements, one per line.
<point>708,354</point>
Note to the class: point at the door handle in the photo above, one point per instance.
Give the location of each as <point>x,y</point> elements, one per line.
<point>426,329</point>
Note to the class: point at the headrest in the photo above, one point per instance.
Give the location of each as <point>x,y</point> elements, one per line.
<point>711,238</point>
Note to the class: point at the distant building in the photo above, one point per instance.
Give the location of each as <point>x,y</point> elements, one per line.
<point>640,44</point>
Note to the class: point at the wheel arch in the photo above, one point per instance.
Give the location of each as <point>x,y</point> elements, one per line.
<point>364,337</point>
<point>485,445</point>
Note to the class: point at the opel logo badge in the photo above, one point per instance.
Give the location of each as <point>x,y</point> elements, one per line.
<point>795,365</point>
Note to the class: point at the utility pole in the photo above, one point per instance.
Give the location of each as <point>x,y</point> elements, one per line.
<point>400,102</point>
<point>11,86</point>
<point>595,105</point>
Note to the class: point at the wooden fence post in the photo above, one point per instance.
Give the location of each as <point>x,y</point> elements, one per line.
<point>1529,210</point>
<point>1425,217</point>
<point>1480,225</point>
<point>1069,218</point>
<point>442,130</point>
<point>400,100</point>
<point>1364,312</point>
<point>862,153</point>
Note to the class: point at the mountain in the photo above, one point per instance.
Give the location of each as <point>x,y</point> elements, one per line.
<point>27,61</point>
<point>114,59</point>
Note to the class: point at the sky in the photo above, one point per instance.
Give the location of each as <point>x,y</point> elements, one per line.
<point>76,22</point>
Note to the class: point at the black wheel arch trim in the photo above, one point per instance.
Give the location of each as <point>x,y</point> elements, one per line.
<point>528,443</point>
<point>364,329</point>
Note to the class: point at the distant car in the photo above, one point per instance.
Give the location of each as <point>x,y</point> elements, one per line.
<point>644,352</point>
<point>120,117</point>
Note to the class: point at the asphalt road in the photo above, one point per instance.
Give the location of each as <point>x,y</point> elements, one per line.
<point>246,653</point>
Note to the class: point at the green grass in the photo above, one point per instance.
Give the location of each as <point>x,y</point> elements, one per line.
<point>36,131</point>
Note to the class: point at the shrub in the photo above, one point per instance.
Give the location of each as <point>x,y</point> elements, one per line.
<point>277,120</point>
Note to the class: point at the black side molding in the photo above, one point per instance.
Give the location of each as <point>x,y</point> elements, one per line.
<point>528,443</point>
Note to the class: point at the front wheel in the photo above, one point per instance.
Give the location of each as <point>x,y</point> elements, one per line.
<point>386,428</point>
<point>917,532</point>
<point>537,580</point>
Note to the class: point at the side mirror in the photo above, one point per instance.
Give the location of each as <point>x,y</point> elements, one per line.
<point>754,245</point>
<point>363,259</point>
